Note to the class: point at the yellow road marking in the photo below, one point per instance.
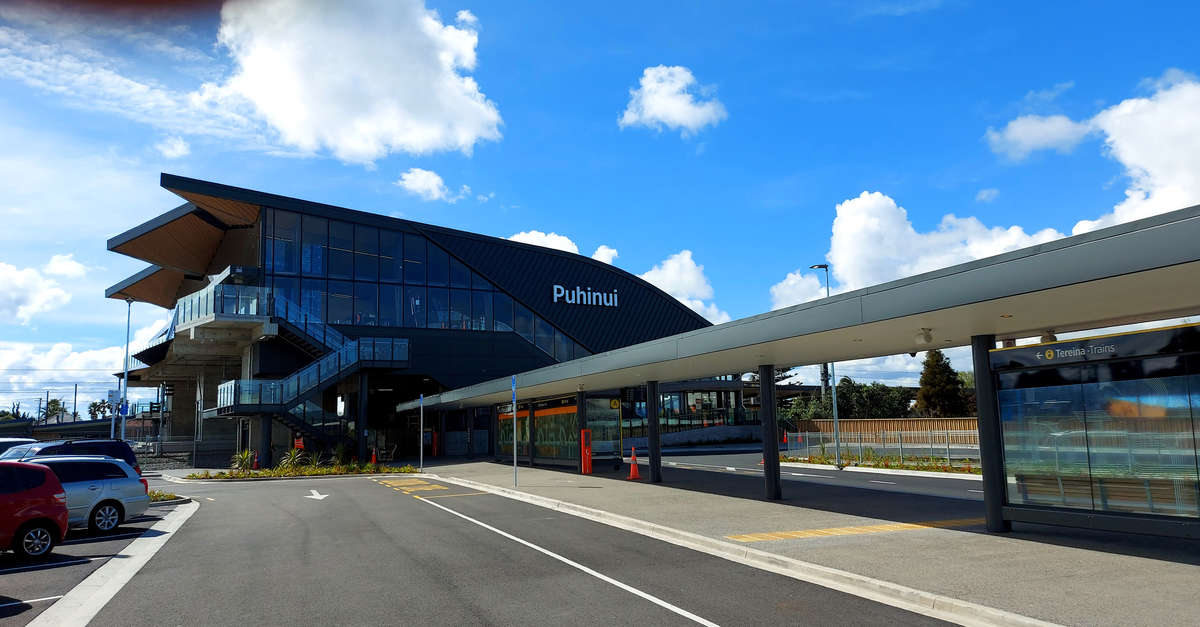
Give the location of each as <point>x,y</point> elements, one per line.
<point>442,496</point>
<point>398,483</point>
<point>856,530</point>
<point>424,488</point>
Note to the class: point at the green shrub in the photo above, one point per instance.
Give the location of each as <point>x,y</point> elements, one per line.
<point>242,460</point>
<point>294,458</point>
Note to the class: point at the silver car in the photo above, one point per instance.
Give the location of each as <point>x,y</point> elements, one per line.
<point>102,492</point>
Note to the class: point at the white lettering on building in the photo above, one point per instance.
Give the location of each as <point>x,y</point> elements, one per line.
<point>585,296</point>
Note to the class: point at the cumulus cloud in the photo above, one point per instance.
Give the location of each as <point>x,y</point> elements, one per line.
<point>362,80</point>
<point>680,276</point>
<point>173,147</point>
<point>1030,133</point>
<point>873,241</point>
<point>664,98</point>
<point>28,292</point>
<point>987,195</point>
<point>605,254</point>
<point>1040,97</point>
<point>797,287</point>
<point>548,240</point>
<point>65,266</point>
<point>428,185</point>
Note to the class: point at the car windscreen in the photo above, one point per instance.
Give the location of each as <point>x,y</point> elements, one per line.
<point>4,446</point>
<point>16,452</point>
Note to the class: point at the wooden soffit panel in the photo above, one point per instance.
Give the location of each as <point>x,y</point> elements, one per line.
<point>230,212</point>
<point>159,288</point>
<point>187,243</point>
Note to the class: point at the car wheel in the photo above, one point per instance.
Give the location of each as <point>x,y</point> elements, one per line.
<point>33,541</point>
<point>105,518</point>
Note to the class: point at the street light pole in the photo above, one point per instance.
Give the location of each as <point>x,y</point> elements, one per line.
<point>837,437</point>
<point>125,394</point>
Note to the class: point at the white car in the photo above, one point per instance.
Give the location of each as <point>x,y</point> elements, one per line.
<point>102,492</point>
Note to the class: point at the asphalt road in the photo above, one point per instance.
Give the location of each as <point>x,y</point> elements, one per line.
<point>264,553</point>
<point>27,589</point>
<point>747,463</point>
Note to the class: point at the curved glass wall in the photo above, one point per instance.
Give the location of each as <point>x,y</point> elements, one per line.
<point>352,274</point>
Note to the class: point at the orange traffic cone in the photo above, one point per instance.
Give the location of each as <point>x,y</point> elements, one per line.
<point>255,460</point>
<point>633,468</point>
<point>785,437</point>
<point>373,462</point>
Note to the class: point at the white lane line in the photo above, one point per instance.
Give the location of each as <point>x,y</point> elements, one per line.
<point>887,482</point>
<point>30,601</point>
<point>730,468</point>
<point>800,474</point>
<point>45,566</point>
<point>84,601</point>
<point>979,491</point>
<point>605,578</point>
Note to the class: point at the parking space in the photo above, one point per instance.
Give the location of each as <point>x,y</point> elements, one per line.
<point>28,588</point>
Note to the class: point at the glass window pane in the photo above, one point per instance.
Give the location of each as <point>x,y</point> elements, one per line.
<point>460,276</point>
<point>479,283</point>
<point>341,302</point>
<point>268,239</point>
<point>439,309</point>
<point>414,259</point>
<point>312,297</point>
<point>341,250</point>
<point>287,242</point>
<point>460,310</point>
<point>366,304</point>
<point>288,289</point>
<point>544,335</point>
<point>315,233</point>
<point>366,253</point>
<point>523,321</point>
<point>439,267</point>
<point>414,307</point>
<point>562,346</point>
<point>481,311</point>
<point>391,303</point>
<point>391,256</point>
<point>502,311</point>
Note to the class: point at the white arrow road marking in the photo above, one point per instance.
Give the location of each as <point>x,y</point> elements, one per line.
<point>316,495</point>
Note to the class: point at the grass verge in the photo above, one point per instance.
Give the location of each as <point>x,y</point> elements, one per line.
<point>302,471</point>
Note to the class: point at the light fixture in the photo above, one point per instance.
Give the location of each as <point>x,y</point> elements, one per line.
<point>1048,336</point>
<point>923,337</point>
<point>1005,315</point>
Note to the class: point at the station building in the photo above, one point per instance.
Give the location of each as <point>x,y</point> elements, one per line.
<point>299,319</point>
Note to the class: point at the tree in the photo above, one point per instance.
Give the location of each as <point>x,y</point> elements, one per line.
<point>941,391</point>
<point>857,400</point>
<point>54,409</point>
<point>99,409</point>
<point>968,392</point>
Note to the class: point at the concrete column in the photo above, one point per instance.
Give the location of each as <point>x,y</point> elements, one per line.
<point>652,440</point>
<point>770,431</point>
<point>441,434</point>
<point>991,444</point>
<point>360,419</point>
<point>580,424</point>
<point>264,441</point>
<point>493,429</point>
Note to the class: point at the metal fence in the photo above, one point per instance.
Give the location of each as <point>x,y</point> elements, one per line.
<point>953,445</point>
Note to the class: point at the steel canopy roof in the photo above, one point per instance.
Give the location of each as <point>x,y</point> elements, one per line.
<point>1135,272</point>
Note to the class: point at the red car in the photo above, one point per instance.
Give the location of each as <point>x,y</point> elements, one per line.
<point>33,509</point>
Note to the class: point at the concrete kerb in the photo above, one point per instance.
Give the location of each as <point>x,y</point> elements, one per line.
<point>895,595</point>
<point>178,501</point>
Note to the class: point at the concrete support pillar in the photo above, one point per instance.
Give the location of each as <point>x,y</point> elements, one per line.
<point>580,424</point>
<point>360,419</point>
<point>653,442</point>
<point>991,444</point>
<point>441,434</point>
<point>264,441</point>
<point>770,431</point>
<point>493,429</point>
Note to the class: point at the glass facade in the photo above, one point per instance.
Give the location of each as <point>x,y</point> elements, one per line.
<point>1112,436</point>
<point>359,275</point>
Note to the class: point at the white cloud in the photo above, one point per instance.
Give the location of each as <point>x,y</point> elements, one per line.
<point>873,241</point>
<point>987,194</point>
<point>664,98</point>
<point>27,293</point>
<point>1041,97</point>
<point>482,198</point>
<point>466,17</point>
<point>65,266</point>
<point>362,80</point>
<point>1157,140</point>
<point>173,147</point>
<point>680,276</point>
<point>549,240</point>
<point>797,287</point>
<point>428,185</point>
<point>1030,133</point>
<point>605,254</point>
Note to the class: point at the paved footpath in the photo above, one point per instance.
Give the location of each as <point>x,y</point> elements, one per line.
<point>928,543</point>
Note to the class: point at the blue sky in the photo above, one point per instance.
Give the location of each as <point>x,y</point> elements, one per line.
<point>712,145</point>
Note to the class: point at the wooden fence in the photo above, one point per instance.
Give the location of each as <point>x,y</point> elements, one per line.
<point>872,425</point>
